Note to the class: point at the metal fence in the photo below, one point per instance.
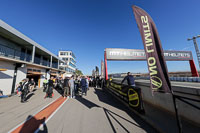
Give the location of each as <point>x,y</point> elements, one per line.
<point>45,63</point>
<point>19,55</point>
<point>14,53</point>
<point>54,65</point>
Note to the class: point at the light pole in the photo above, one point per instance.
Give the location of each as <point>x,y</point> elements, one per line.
<point>196,47</point>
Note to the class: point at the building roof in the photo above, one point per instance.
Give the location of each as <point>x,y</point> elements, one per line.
<point>14,35</point>
<point>67,51</point>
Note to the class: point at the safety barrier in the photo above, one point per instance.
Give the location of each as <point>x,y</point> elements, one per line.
<point>179,79</point>
<point>130,94</point>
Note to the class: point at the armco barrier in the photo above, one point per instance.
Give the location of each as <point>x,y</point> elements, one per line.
<point>164,100</point>
<point>179,79</point>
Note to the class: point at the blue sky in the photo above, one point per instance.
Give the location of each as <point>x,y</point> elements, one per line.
<point>87,27</point>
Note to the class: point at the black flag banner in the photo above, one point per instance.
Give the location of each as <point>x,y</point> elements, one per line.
<point>154,53</point>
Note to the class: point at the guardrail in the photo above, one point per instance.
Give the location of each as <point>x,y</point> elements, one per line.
<point>187,100</point>
<point>14,53</point>
<point>19,55</point>
<point>180,79</point>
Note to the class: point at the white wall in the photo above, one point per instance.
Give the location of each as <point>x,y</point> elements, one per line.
<point>6,77</point>
<point>21,74</point>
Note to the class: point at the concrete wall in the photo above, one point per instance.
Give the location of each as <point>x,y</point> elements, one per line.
<point>21,74</point>
<point>6,77</point>
<point>164,101</point>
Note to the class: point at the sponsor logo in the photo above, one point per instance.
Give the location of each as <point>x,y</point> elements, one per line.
<point>140,54</point>
<point>134,100</point>
<point>156,82</point>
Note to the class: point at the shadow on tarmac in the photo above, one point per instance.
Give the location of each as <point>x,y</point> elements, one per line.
<point>34,89</point>
<point>29,96</point>
<point>109,99</point>
<point>32,124</point>
<point>86,102</point>
<point>59,90</point>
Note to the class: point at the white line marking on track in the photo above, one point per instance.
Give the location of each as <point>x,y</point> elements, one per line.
<point>41,126</point>
<point>32,116</point>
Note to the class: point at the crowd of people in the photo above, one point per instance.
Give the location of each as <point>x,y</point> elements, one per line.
<point>68,86</point>
<point>71,86</point>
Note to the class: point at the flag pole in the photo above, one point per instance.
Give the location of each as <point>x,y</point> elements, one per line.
<point>155,58</point>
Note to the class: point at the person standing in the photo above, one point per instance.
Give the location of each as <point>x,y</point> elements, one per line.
<point>130,79</point>
<point>83,86</point>
<point>87,81</point>
<point>32,84</point>
<point>50,88</point>
<point>71,83</point>
<point>94,82</point>
<point>66,87</point>
<point>76,85</point>
<point>45,83</point>
<point>19,88</point>
<point>25,89</point>
<point>91,80</point>
<point>97,81</point>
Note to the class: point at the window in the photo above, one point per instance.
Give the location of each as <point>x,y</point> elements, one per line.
<point>65,59</point>
<point>72,65</point>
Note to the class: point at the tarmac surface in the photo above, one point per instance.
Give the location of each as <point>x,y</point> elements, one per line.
<point>97,112</point>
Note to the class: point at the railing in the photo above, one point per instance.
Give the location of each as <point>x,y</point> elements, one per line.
<point>45,63</point>
<point>28,57</point>
<point>72,65</point>
<point>19,55</point>
<point>55,65</point>
<point>37,60</point>
<point>13,53</point>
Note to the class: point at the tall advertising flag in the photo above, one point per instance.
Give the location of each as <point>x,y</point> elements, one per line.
<point>154,53</point>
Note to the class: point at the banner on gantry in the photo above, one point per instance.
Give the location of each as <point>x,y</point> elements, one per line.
<point>154,53</point>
